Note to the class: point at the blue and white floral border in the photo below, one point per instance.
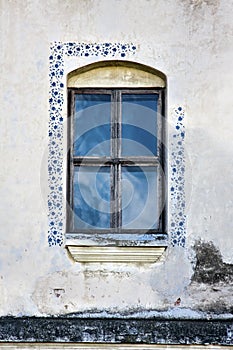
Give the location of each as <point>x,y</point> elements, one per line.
<point>58,52</point>
<point>177,180</point>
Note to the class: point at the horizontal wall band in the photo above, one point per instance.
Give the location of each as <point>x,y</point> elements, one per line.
<point>116,330</point>
<point>49,346</point>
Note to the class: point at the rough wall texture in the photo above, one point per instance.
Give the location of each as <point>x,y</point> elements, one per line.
<point>191,42</point>
<point>115,331</point>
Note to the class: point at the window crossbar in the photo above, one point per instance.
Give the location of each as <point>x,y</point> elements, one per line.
<point>108,161</point>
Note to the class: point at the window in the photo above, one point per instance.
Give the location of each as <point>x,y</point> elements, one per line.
<point>116,192</point>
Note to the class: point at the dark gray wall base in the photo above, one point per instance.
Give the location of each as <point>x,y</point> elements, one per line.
<point>116,330</point>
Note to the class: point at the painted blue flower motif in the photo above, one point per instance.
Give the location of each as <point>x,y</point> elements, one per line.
<point>56,100</point>
<point>178,218</point>
<point>56,129</point>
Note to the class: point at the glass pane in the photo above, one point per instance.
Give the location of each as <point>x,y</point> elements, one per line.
<point>92,125</point>
<point>139,198</point>
<point>91,197</point>
<point>139,124</point>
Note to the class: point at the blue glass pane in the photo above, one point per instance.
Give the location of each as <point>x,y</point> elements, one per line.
<point>91,197</point>
<point>139,198</point>
<point>92,125</point>
<point>139,124</point>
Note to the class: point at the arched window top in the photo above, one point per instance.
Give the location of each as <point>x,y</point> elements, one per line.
<point>116,74</point>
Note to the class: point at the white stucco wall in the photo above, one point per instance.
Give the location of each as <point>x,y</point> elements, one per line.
<point>191,42</point>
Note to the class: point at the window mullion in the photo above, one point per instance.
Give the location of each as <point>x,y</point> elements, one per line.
<point>119,123</point>
<point>119,144</point>
<point>113,219</point>
<point>119,196</point>
<point>115,153</point>
<point>114,156</point>
<point>114,125</point>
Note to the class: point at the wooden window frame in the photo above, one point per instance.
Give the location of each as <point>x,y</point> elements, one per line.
<point>112,234</point>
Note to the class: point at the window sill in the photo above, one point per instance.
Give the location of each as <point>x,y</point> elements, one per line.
<point>123,248</point>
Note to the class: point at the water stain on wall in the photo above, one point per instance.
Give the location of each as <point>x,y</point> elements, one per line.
<point>210,267</point>
<point>211,286</point>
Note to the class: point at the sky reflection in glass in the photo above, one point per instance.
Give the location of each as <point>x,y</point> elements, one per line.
<point>139,193</point>
<point>139,124</point>
<point>92,125</point>
<point>91,197</point>
<point>92,137</point>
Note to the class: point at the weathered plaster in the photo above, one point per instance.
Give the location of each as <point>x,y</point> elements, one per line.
<point>92,288</point>
<point>191,42</point>
<point>210,268</point>
<point>211,287</point>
